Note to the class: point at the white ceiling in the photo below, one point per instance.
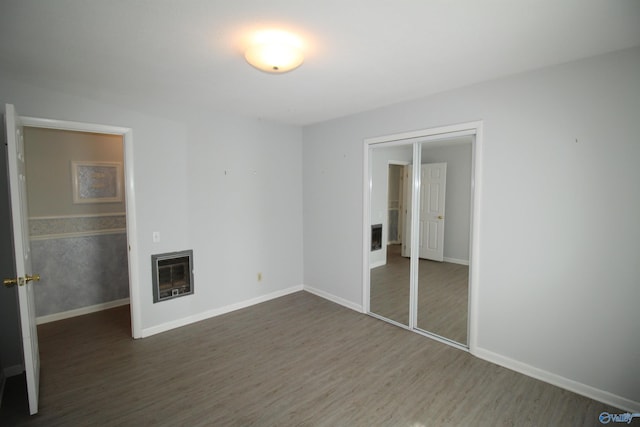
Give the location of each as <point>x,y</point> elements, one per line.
<point>360,54</point>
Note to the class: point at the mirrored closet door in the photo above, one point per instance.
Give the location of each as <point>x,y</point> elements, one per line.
<point>420,216</point>
<point>389,259</point>
<point>444,238</point>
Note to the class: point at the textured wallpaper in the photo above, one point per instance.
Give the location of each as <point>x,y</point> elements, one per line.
<point>82,262</point>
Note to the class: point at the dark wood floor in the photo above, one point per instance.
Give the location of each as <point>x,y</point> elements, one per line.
<point>298,360</point>
<point>443,294</point>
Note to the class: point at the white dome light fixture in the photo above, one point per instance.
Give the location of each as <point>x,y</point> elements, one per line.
<point>275,51</point>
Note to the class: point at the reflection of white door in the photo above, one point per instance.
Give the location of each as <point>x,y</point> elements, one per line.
<point>21,246</point>
<point>433,184</point>
<point>407,171</point>
<point>394,217</point>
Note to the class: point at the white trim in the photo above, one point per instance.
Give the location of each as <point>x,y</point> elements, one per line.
<point>217,312</point>
<point>130,201</point>
<point>387,320</point>
<point>78,234</point>
<point>37,122</point>
<point>378,264</point>
<point>76,216</point>
<point>456,261</point>
<point>414,259</point>
<point>366,227</point>
<point>474,246</point>
<point>451,131</point>
<point>333,298</point>
<point>81,311</point>
<point>557,380</point>
<point>441,339</point>
<point>12,371</point>
<point>132,232</point>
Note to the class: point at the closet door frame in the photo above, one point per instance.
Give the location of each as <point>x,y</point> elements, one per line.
<point>417,138</point>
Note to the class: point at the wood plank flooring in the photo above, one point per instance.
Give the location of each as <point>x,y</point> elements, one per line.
<point>443,290</point>
<point>298,360</point>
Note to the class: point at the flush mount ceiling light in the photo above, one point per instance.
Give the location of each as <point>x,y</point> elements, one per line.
<point>275,51</point>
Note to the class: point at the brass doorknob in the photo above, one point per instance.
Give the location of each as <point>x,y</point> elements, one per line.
<point>440,217</point>
<point>35,277</point>
<point>10,282</point>
<point>20,281</point>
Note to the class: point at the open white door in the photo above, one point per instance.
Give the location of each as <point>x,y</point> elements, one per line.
<point>22,251</point>
<point>406,210</point>
<point>433,185</point>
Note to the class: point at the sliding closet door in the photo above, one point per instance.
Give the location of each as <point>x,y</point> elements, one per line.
<point>419,274</point>
<point>389,258</point>
<point>444,233</point>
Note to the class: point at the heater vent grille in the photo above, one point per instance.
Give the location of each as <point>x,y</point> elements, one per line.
<point>172,275</point>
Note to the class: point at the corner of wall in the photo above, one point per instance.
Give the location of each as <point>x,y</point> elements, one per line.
<point>333,298</point>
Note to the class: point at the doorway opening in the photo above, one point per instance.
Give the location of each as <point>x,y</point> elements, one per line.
<point>118,227</point>
<point>77,221</point>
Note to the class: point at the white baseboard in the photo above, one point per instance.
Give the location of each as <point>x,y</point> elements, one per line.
<point>11,371</point>
<point>378,264</point>
<point>457,261</point>
<point>80,311</point>
<point>217,312</point>
<point>557,380</point>
<point>333,298</point>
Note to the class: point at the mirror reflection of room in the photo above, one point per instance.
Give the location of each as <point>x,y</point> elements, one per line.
<point>443,236</point>
<point>390,271</point>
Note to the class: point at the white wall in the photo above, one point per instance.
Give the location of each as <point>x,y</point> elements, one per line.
<point>238,224</point>
<point>559,234</point>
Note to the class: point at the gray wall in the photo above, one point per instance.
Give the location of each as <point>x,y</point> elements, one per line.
<point>228,187</point>
<point>559,234</point>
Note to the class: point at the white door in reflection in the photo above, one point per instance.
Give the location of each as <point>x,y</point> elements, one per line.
<point>433,188</point>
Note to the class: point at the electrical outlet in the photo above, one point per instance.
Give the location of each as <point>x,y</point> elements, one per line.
<point>156,236</point>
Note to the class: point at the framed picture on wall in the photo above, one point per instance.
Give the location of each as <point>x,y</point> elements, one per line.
<point>96,182</point>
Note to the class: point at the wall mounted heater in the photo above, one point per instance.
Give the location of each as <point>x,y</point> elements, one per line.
<point>376,237</point>
<point>172,275</point>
